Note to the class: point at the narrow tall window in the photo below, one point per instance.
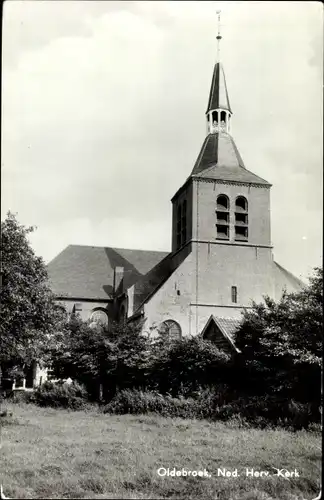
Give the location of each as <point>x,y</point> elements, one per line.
<point>223,120</point>
<point>222,217</point>
<point>234,294</point>
<point>241,219</point>
<point>215,116</point>
<point>184,223</point>
<point>181,224</point>
<point>122,314</point>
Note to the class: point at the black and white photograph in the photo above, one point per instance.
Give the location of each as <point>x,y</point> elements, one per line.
<point>161,267</point>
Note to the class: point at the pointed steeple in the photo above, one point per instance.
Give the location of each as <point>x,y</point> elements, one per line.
<point>218,95</point>
<point>219,157</point>
<point>219,111</point>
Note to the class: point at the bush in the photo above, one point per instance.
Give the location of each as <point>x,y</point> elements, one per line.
<point>204,404</point>
<point>60,395</point>
<point>185,366</point>
<point>143,402</point>
<point>212,405</point>
<point>21,397</point>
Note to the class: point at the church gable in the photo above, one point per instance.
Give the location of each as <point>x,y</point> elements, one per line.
<point>221,332</point>
<point>149,286</point>
<point>150,282</point>
<point>284,280</point>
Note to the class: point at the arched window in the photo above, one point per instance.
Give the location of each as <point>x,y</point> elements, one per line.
<point>223,120</point>
<point>222,217</point>
<point>241,219</point>
<point>170,329</point>
<point>215,116</point>
<point>241,204</point>
<point>99,317</point>
<point>222,202</point>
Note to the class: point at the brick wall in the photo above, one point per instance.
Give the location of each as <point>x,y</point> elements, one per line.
<point>205,194</point>
<point>193,293</point>
<point>184,194</point>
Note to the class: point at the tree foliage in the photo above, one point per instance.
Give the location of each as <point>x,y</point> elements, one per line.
<point>185,366</point>
<point>281,343</point>
<point>100,358</point>
<point>28,311</point>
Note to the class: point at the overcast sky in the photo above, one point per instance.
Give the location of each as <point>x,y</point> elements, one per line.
<point>103,116</point>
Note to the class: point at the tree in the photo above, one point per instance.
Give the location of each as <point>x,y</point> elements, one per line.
<point>103,359</point>
<point>281,343</point>
<point>28,312</point>
<point>186,365</point>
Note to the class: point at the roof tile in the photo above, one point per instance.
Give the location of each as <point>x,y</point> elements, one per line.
<point>220,159</point>
<point>218,96</point>
<point>81,271</point>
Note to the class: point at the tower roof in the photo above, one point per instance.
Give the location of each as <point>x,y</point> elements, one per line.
<point>218,95</point>
<point>220,159</point>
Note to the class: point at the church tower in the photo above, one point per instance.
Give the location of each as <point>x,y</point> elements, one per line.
<point>221,258</point>
<point>223,213</point>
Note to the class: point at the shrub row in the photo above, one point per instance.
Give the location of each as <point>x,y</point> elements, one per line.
<point>208,405</point>
<point>214,404</point>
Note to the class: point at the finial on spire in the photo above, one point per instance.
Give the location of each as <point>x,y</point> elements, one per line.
<point>219,36</point>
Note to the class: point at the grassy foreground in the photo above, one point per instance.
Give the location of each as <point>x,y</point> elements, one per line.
<point>48,453</point>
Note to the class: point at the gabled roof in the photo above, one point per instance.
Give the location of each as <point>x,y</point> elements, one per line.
<point>220,159</point>
<point>226,327</point>
<point>149,284</point>
<point>218,95</point>
<point>282,273</point>
<point>81,271</point>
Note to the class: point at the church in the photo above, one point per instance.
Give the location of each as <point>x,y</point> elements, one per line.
<point>221,257</point>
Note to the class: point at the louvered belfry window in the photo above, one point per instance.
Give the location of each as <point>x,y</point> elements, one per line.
<point>241,219</point>
<point>222,217</point>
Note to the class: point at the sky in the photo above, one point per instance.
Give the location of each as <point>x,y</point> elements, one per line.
<point>103,116</point>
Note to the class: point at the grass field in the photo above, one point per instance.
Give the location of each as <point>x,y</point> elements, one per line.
<point>49,453</point>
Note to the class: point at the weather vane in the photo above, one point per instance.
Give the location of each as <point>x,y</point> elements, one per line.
<point>219,36</point>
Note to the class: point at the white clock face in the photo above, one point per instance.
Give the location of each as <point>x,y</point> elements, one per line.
<point>99,317</point>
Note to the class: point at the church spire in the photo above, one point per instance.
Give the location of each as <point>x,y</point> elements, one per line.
<point>219,36</point>
<point>219,111</point>
<point>219,158</point>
